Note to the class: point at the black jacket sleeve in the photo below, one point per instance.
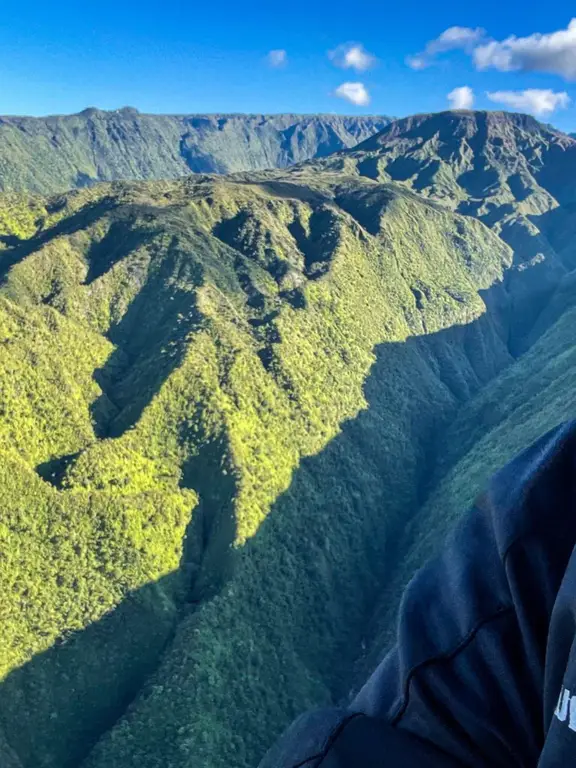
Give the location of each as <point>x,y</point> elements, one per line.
<point>464,683</point>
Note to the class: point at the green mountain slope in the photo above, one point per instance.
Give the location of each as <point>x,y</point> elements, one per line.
<point>171,355</point>
<point>224,412</point>
<point>511,172</point>
<point>54,154</point>
<point>529,398</point>
<point>438,155</point>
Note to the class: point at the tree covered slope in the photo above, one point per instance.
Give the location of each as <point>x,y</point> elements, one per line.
<point>529,398</point>
<point>509,171</point>
<point>171,354</point>
<point>228,406</point>
<point>517,176</point>
<point>54,154</point>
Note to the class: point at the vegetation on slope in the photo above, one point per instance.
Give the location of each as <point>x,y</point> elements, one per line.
<point>439,155</point>
<point>221,401</point>
<point>54,154</point>
<point>510,171</point>
<point>171,354</point>
<point>526,400</point>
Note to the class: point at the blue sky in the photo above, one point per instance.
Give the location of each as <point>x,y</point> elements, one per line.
<point>211,57</point>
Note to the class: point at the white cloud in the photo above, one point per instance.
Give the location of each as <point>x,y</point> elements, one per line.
<point>461,98</point>
<point>352,56</point>
<point>554,53</point>
<point>355,93</point>
<point>453,38</point>
<point>419,61</point>
<point>538,102</point>
<point>277,58</point>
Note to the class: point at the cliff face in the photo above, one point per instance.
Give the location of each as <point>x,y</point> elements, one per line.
<point>54,154</point>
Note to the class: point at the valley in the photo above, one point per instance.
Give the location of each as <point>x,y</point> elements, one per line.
<point>238,411</point>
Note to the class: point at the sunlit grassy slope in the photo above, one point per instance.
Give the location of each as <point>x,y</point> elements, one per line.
<point>236,413</point>
<point>217,400</point>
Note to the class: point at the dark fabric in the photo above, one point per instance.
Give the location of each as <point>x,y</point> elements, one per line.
<point>308,739</point>
<point>364,741</point>
<point>484,669</point>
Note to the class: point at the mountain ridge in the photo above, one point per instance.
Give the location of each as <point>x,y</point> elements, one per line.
<point>507,170</point>
<point>238,411</point>
<point>129,111</point>
<point>55,153</point>
<point>454,116</point>
<point>191,344</point>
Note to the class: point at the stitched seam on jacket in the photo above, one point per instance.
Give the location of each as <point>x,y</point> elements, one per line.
<point>444,657</point>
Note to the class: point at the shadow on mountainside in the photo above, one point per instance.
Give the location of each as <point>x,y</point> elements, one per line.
<point>18,250</point>
<point>317,563</point>
<point>149,345</point>
<point>150,341</point>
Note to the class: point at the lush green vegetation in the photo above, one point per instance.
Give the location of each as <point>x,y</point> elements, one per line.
<point>525,193</point>
<point>196,340</point>
<point>509,171</point>
<point>53,154</point>
<point>225,406</point>
<point>529,398</point>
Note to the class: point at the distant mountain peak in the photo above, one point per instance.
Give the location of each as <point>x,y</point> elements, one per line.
<point>477,162</point>
<point>97,112</point>
<point>89,112</point>
<point>513,173</point>
<point>455,124</point>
